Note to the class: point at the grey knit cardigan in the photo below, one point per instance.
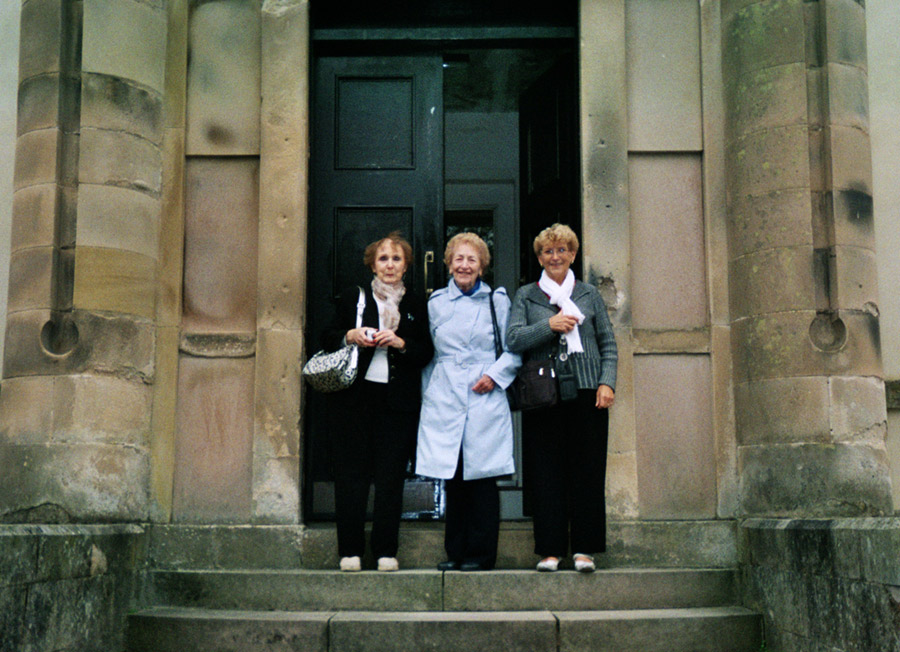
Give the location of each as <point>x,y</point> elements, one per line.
<point>529,333</point>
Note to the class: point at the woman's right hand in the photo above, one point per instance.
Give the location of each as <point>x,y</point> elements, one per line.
<point>359,336</point>
<point>560,323</point>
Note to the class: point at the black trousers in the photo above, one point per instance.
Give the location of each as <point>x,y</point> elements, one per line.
<point>372,444</point>
<point>566,471</point>
<point>472,519</point>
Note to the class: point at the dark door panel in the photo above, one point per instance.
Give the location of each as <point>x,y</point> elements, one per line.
<point>377,167</point>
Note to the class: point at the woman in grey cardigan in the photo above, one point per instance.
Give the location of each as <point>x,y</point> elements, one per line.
<point>565,445</point>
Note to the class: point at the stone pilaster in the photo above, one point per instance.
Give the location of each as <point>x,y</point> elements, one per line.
<point>809,399</point>
<point>79,353</point>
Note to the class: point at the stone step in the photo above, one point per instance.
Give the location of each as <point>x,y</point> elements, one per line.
<point>648,544</point>
<point>709,629</point>
<point>431,590</point>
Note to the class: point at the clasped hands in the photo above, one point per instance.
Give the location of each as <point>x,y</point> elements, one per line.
<point>369,337</point>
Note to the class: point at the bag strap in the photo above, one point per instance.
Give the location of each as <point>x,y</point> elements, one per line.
<point>360,306</point>
<point>498,347</point>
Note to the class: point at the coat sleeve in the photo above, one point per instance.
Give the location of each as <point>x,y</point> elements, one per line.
<point>520,335</point>
<point>419,348</point>
<point>503,370</point>
<point>343,320</point>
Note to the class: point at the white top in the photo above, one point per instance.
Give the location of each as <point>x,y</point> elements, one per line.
<point>378,371</point>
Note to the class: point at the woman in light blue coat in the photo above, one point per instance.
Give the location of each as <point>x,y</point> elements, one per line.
<point>465,428</point>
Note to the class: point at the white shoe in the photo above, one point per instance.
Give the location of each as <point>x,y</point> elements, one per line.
<point>388,564</point>
<point>548,564</point>
<point>584,563</point>
<point>350,564</point>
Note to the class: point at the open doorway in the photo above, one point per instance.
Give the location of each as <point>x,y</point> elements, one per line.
<point>489,145</point>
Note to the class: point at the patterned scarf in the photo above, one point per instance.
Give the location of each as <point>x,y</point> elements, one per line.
<point>389,296</point>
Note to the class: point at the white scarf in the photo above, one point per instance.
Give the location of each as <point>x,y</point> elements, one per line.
<point>561,295</point>
<point>390,296</point>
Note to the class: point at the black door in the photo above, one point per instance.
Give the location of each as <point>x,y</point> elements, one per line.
<point>377,167</point>
<point>549,159</point>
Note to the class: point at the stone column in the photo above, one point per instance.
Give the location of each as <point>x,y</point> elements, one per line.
<point>809,398</point>
<point>78,367</point>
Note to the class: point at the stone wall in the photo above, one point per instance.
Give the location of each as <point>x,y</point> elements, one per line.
<point>824,584</point>
<point>67,587</point>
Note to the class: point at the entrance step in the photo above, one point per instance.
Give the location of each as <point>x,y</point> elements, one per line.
<point>426,590</point>
<point>709,629</point>
<point>615,610</point>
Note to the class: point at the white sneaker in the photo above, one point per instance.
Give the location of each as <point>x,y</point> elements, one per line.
<point>350,564</point>
<point>548,564</point>
<point>584,563</point>
<point>388,564</point>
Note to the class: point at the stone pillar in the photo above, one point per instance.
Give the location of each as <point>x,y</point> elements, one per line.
<point>79,352</point>
<point>809,398</point>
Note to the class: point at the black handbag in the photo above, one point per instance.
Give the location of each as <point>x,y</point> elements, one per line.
<point>535,385</point>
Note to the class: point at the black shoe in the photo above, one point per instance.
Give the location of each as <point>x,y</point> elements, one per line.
<point>448,565</point>
<point>474,566</point>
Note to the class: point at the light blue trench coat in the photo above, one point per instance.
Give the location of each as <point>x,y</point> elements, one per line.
<point>452,414</point>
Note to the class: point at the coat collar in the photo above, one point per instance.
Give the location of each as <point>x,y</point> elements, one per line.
<point>454,293</point>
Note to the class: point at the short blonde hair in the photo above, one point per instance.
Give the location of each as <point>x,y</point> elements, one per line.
<point>396,239</point>
<point>471,239</point>
<point>556,233</point>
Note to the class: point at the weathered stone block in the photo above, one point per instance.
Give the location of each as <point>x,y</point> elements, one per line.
<point>214,441</point>
<point>31,279</point>
<point>282,244</point>
<point>675,456</point>
<point>448,632</point>
<point>778,219</point>
<point>119,159</point>
<point>33,214</point>
<point>117,104</point>
<point>781,345</point>
<point>168,630</point>
<point>223,79</point>
<point>13,621</point>
<point>106,343</point>
<point>39,42</point>
<point>112,280</point>
<point>125,39</point>
<point>622,485</point>
<point>845,32</point>
<point>848,96</point>
<point>856,278</point>
<point>72,409</point>
<point>38,106</point>
<point>664,109</point>
<point>18,562</point>
<point>118,218</point>
<point>174,95</point>
<point>782,410</point>
<point>88,482</point>
<point>758,35</point>
<point>852,217</point>
<point>767,99</point>
<point>36,158</point>
<point>851,159</point>
<point>814,480</point>
<point>228,547</point>
<point>668,253</point>
<point>773,280</point>
<point>879,551</point>
<point>769,161</point>
<point>220,248</point>
<point>162,441</point>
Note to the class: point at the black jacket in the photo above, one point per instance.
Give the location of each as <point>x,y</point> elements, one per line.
<point>405,369</point>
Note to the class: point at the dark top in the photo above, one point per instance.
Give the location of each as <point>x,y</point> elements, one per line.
<point>404,368</point>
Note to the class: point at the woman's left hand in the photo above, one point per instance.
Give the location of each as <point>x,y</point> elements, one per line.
<point>386,338</point>
<point>484,385</point>
<point>605,396</point>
